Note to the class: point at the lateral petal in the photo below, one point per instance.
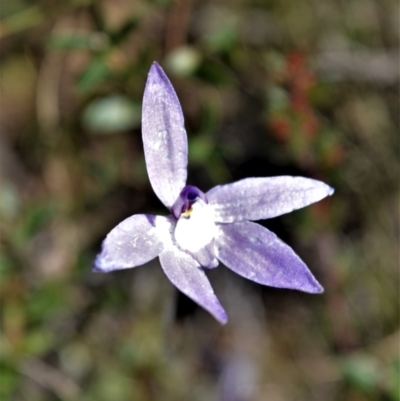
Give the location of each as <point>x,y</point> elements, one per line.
<point>257,254</point>
<point>186,275</point>
<point>264,198</point>
<point>135,241</point>
<point>164,137</point>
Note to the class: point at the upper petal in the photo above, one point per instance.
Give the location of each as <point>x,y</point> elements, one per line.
<point>135,241</point>
<point>259,255</point>
<point>264,198</point>
<point>164,137</point>
<point>186,274</point>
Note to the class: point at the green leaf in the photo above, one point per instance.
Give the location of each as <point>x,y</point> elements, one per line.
<point>183,61</point>
<point>361,372</point>
<point>95,73</point>
<point>92,41</point>
<point>111,114</point>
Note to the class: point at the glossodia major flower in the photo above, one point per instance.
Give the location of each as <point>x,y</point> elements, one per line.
<point>205,228</point>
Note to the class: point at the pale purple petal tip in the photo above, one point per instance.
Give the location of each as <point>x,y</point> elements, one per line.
<point>186,274</point>
<point>131,243</point>
<point>259,255</point>
<point>264,198</point>
<point>164,137</point>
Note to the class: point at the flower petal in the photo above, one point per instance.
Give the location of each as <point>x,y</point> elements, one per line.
<point>264,198</point>
<point>259,255</point>
<point>133,242</point>
<point>186,274</point>
<point>164,137</point>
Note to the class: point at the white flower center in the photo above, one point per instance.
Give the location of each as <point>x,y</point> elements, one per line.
<point>195,228</point>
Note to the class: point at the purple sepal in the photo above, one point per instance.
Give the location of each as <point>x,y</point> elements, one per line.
<point>131,243</point>
<point>164,137</point>
<point>259,255</point>
<point>264,198</point>
<point>186,198</point>
<point>185,274</point>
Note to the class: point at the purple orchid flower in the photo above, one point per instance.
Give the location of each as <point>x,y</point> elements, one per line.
<point>205,228</point>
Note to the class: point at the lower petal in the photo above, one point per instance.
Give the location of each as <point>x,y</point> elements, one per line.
<point>186,274</point>
<point>135,241</point>
<point>257,254</point>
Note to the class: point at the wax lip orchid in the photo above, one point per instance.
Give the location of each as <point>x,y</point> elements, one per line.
<point>205,228</point>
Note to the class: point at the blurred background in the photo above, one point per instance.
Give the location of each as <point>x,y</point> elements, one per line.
<point>267,88</point>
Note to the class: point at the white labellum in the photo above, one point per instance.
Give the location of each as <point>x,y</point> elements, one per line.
<point>195,229</point>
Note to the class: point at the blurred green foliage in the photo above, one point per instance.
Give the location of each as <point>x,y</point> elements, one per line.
<point>267,88</point>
